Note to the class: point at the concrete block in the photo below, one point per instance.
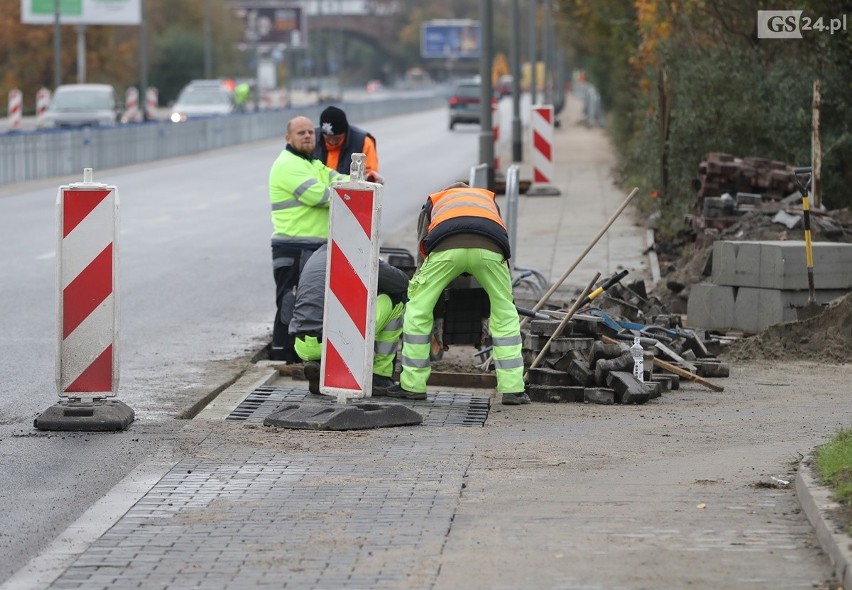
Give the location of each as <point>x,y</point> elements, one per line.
<point>781,264</point>
<point>710,306</point>
<point>628,389</point>
<point>581,373</point>
<point>599,395</point>
<point>757,309</point>
<point>604,366</point>
<point>545,376</point>
<point>712,369</point>
<point>555,393</point>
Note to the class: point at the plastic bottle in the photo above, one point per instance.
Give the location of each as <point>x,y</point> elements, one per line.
<point>638,355</point>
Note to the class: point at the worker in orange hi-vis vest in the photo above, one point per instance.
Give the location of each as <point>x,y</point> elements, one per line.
<point>461,231</point>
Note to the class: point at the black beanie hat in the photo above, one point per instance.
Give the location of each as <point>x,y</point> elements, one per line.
<point>333,121</point>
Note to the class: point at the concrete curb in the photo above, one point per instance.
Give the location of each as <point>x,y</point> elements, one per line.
<point>817,504</point>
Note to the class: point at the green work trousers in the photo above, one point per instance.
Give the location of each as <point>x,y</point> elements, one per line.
<point>388,330</point>
<point>436,272</point>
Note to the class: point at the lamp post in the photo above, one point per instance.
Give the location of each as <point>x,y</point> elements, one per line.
<point>486,135</point>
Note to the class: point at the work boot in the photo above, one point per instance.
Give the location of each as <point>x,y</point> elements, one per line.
<point>515,399</point>
<point>398,392</point>
<point>381,384</point>
<point>312,374</point>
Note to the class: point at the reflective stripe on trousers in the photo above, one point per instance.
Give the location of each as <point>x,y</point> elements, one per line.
<point>388,329</point>
<point>439,269</point>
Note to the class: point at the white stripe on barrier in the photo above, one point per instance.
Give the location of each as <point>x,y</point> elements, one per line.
<point>87,342</point>
<point>351,280</point>
<point>542,143</point>
<point>86,241</point>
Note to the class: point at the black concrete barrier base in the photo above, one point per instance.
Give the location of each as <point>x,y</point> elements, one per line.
<point>355,416</point>
<point>543,190</point>
<point>94,416</point>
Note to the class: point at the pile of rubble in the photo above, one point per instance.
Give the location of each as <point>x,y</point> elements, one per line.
<point>590,359</point>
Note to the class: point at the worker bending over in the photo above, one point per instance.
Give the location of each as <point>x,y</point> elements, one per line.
<point>461,231</point>
<point>306,325</point>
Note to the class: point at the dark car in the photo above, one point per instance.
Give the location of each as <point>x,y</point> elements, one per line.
<point>465,103</point>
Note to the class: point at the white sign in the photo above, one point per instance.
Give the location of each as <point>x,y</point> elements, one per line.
<point>82,12</point>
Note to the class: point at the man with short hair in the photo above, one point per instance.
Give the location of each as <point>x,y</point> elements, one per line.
<point>340,140</point>
<point>299,192</point>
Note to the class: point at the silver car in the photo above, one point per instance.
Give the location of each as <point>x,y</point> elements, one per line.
<point>202,98</point>
<point>81,105</point>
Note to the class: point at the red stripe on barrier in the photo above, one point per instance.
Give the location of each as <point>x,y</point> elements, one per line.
<point>545,114</point>
<point>538,176</point>
<point>77,205</point>
<point>345,283</point>
<point>97,377</point>
<point>87,291</point>
<point>541,145</point>
<point>361,205</point>
<point>337,374</point>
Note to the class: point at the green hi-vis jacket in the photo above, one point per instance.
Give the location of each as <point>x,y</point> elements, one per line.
<point>299,192</point>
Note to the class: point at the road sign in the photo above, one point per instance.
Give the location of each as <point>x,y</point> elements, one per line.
<point>456,39</point>
<point>82,12</point>
<point>268,25</point>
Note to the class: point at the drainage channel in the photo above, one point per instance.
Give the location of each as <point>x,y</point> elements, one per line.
<point>438,409</point>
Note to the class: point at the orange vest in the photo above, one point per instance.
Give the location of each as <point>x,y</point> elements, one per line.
<point>463,202</point>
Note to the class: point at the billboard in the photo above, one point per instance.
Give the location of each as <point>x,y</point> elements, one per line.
<point>82,12</point>
<point>270,25</point>
<point>458,39</point>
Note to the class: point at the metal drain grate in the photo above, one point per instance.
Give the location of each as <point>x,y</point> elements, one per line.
<point>439,409</point>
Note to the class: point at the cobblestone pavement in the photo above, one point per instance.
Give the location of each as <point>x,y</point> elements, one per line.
<point>681,492</point>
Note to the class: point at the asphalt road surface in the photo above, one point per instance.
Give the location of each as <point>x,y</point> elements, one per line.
<point>195,295</point>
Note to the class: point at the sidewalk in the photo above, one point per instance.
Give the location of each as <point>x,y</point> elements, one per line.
<point>672,494</point>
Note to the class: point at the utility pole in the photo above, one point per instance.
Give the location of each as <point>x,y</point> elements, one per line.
<point>57,47</point>
<point>143,55</point>
<point>533,46</point>
<point>517,151</point>
<point>208,45</point>
<point>486,134</point>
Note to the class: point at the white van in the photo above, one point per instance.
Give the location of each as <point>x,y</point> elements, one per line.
<point>81,105</point>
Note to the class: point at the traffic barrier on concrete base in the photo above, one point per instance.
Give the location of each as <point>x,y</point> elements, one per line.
<point>541,126</point>
<point>16,108</point>
<point>152,103</point>
<point>87,309</point>
<point>42,102</point>
<point>131,105</point>
<point>352,279</point>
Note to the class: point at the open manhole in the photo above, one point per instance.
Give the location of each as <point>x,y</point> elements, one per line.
<point>438,409</point>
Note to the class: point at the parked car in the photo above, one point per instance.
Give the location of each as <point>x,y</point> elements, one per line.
<point>202,98</point>
<point>465,102</point>
<point>81,105</point>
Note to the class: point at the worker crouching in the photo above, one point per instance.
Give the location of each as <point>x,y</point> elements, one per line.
<point>307,322</point>
<point>461,231</point>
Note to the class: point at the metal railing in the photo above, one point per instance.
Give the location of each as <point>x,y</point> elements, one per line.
<point>43,154</point>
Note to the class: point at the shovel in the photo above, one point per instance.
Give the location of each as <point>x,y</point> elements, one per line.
<point>803,178</point>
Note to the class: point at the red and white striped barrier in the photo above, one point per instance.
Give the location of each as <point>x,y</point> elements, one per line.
<point>131,105</point>
<point>351,281</point>
<point>16,108</point>
<point>42,102</point>
<point>87,343</point>
<point>152,103</point>
<point>542,143</point>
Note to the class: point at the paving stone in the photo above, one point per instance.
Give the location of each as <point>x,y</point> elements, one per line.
<point>604,366</point>
<point>712,369</point>
<point>598,395</point>
<point>546,376</point>
<point>628,389</point>
<point>555,393</point>
<point>581,373</point>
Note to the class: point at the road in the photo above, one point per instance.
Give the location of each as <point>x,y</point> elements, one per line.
<point>195,296</point>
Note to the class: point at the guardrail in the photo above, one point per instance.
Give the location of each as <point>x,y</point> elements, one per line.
<point>43,154</point>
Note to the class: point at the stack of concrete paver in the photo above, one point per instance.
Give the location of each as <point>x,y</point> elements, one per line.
<point>590,360</point>
<point>729,186</point>
<point>755,285</point>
